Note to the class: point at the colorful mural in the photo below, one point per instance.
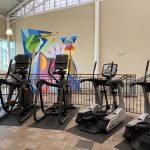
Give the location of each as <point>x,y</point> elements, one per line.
<point>69,48</point>
<point>43,46</point>
<point>68,41</point>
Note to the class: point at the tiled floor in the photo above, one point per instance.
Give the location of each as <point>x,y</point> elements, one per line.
<point>25,137</point>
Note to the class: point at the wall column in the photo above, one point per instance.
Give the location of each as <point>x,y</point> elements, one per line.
<point>8,41</point>
<point>97,45</point>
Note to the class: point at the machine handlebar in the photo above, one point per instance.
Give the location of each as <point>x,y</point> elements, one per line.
<point>142,83</point>
<point>94,68</point>
<point>115,82</point>
<point>146,70</point>
<point>3,81</point>
<point>49,70</point>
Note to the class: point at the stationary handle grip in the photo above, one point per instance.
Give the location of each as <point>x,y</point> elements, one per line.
<point>49,70</point>
<point>112,64</point>
<point>146,70</point>
<point>94,68</point>
<point>9,66</point>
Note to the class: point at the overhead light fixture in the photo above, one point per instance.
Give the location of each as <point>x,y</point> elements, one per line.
<point>9,31</point>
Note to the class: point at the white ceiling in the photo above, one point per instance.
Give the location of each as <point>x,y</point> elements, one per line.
<point>7,5</point>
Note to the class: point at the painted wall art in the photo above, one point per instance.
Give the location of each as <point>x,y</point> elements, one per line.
<point>43,46</point>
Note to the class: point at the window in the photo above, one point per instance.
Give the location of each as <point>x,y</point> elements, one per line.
<point>3,55</point>
<point>18,13</point>
<point>83,1</point>
<point>36,6</point>
<point>49,5</point>
<point>28,8</point>
<point>60,3</point>
<point>12,50</point>
<point>4,62</point>
<point>72,2</point>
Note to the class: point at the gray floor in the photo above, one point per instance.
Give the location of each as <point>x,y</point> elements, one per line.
<point>49,135</point>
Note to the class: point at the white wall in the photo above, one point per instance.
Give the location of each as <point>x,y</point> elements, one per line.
<point>2,28</point>
<point>125,27</point>
<point>77,20</point>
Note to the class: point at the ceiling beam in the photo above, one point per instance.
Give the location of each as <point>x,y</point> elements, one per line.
<point>20,5</point>
<point>2,12</point>
<point>2,16</point>
<point>16,1</point>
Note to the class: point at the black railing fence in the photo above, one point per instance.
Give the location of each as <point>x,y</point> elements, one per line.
<point>140,96</point>
<point>84,95</point>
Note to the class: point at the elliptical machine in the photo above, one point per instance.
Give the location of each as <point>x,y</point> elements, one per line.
<point>137,131</point>
<point>97,118</point>
<point>23,102</point>
<point>60,108</point>
<point>142,141</point>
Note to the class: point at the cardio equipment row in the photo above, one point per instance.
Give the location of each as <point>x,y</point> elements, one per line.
<point>98,117</point>
<point>101,116</point>
<point>29,96</point>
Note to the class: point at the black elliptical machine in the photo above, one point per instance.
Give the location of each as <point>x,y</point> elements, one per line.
<point>60,108</point>
<point>87,115</point>
<point>137,131</point>
<point>96,118</point>
<point>23,103</point>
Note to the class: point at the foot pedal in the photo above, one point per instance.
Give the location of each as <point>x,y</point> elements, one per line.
<point>11,103</point>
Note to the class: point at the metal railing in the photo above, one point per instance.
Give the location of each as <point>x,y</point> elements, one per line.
<point>140,95</point>
<point>85,95</point>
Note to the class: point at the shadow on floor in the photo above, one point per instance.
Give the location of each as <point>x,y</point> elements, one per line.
<point>51,122</point>
<point>123,145</point>
<point>98,137</point>
<point>11,120</point>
